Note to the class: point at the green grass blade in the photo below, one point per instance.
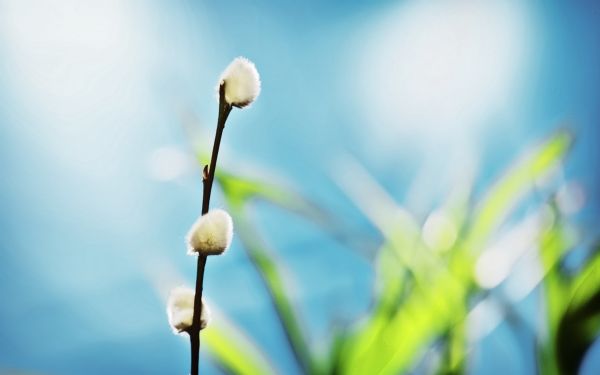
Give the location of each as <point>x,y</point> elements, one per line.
<point>240,190</point>
<point>587,281</point>
<point>237,194</point>
<point>272,276</point>
<point>552,247</point>
<point>514,185</point>
<point>579,326</point>
<point>233,351</point>
<point>404,335</point>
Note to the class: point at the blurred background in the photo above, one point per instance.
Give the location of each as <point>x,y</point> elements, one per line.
<point>414,191</point>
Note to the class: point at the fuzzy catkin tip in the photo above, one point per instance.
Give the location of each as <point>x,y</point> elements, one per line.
<point>211,234</point>
<point>180,310</point>
<point>242,82</point>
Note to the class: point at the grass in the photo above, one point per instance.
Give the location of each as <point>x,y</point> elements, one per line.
<point>422,297</point>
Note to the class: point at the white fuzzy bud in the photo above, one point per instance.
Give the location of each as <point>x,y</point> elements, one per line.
<point>180,310</point>
<point>242,83</point>
<point>211,234</point>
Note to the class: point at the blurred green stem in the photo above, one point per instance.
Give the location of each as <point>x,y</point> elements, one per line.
<point>208,176</point>
<point>271,274</point>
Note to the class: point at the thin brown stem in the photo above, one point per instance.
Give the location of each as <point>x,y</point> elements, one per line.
<point>195,328</point>
<point>208,177</point>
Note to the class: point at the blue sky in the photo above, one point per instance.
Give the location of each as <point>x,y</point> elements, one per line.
<point>90,94</point>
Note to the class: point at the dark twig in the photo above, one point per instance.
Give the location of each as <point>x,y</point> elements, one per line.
<point>208,175</point>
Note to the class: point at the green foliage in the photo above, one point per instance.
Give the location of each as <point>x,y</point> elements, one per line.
<point>573,304</point>
<point>233,351</point>
<point>422,295</point>
<point>237,192</point>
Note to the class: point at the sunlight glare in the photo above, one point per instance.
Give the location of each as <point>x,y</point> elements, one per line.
<point>436,69</point>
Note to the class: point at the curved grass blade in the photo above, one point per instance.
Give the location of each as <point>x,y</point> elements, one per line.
<point>237,194</point>
<point>514,185</point>
<point>272,275</point>
<point>580,325</point>
<point>240,190</point>
<point>233,350</point>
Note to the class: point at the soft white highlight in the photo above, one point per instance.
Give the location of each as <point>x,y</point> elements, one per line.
<point>169,163</point>
<point>242,82</point>
<point>498,261</point>
<point>570,198</point>
<point>180,309</point>
<point>438,70</point>
<point>439,232</point>
<point>211,234</point>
